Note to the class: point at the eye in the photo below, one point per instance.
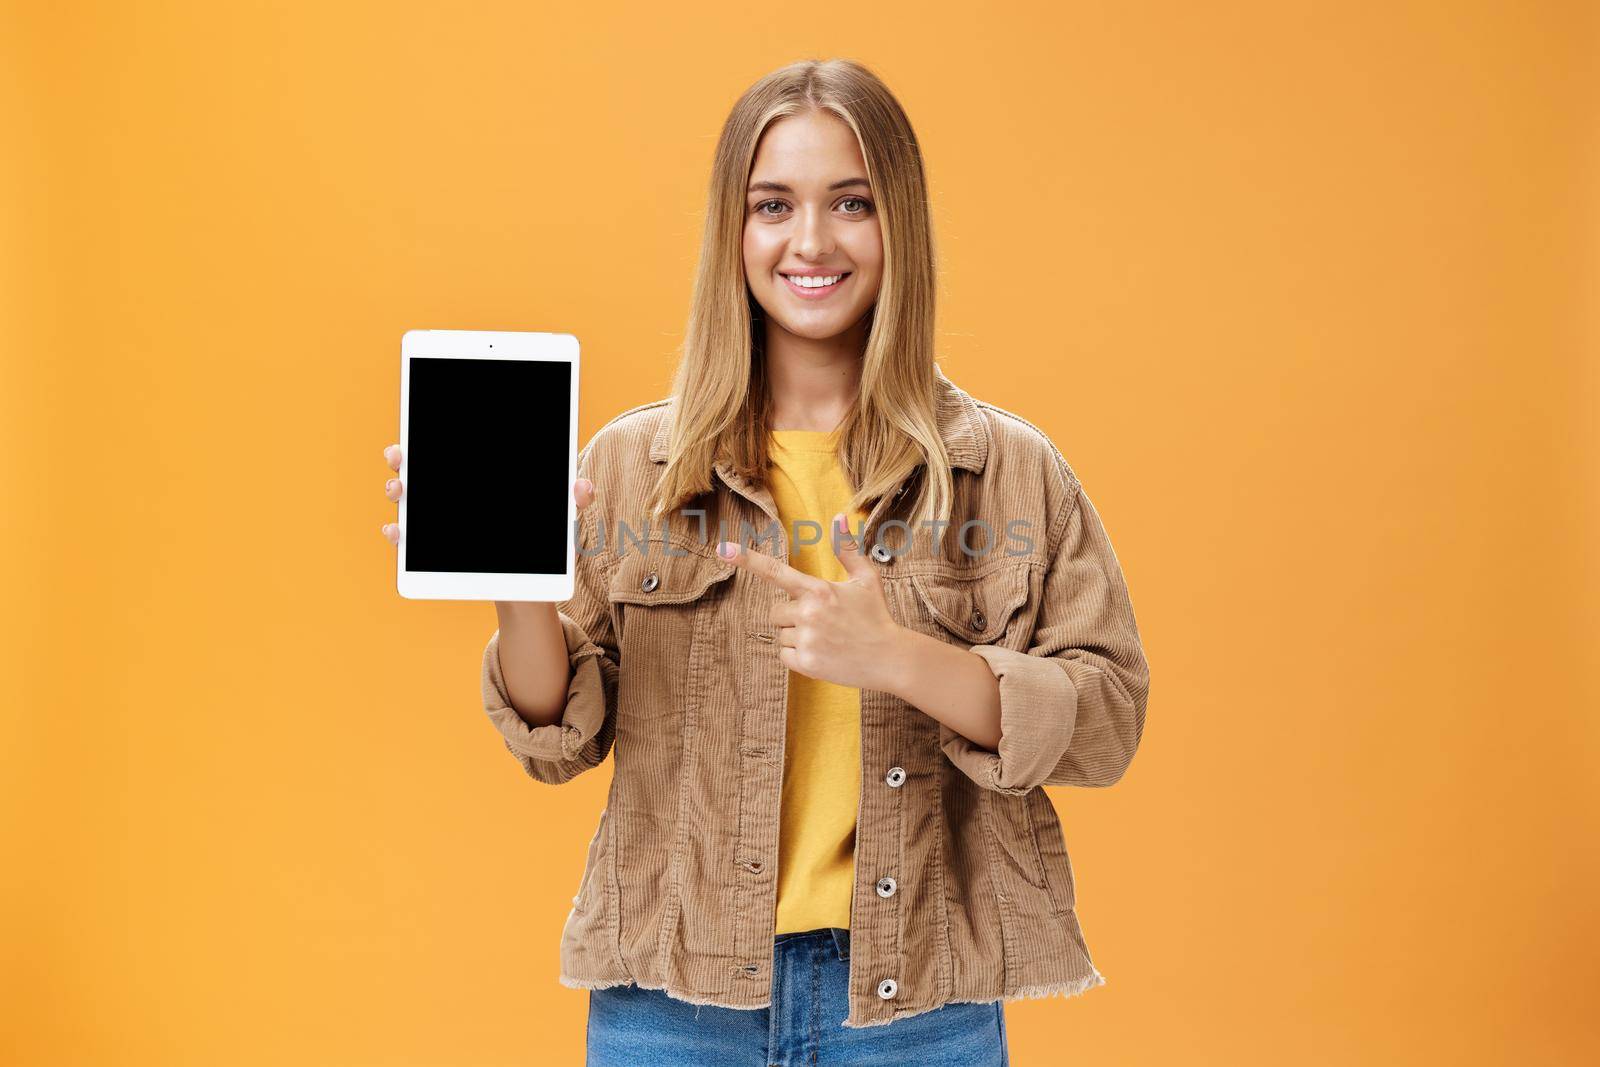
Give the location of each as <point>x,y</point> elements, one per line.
<point>866,205</point>
<point>761,207</point>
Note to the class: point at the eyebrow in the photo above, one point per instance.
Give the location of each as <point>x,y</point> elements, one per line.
<point>779,187</point>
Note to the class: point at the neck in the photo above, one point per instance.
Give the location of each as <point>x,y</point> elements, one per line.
<point>813,382</point>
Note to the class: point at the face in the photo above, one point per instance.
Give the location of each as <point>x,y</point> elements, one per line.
<point>810,215</point>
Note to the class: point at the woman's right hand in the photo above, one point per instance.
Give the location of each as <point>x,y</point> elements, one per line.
<point>582,493</point>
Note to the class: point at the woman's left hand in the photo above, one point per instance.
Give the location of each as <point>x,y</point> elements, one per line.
<point>838,632</point>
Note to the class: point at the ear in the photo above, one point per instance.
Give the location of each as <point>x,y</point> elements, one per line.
<point>849,552</point>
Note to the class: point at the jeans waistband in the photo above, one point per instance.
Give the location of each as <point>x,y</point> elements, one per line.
<point>838,935</point>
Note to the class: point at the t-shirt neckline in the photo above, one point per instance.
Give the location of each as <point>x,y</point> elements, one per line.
<point>805,440</point>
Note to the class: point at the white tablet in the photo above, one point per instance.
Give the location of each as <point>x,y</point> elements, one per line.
<point>488,456</point>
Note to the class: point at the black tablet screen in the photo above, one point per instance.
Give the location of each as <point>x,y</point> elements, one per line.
<point>486,465</point>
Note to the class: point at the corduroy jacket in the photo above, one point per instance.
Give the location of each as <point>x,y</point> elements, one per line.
<point>963,887</point>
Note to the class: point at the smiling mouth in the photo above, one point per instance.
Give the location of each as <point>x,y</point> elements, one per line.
<point>805,291</point>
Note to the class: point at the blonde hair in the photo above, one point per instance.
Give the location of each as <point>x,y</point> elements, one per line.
<point>720,392</point>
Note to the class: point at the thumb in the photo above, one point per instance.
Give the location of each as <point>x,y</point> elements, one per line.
<point>848,550</point>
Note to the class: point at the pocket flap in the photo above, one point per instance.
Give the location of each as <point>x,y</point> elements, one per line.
<point>648,575</point>
<point>974,608</point>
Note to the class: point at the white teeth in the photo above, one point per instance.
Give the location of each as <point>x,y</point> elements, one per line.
<point>813,283</point>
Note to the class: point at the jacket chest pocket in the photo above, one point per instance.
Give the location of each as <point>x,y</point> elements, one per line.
<point>665,610</point>
<point>650,576</point>
<point>988,608</point>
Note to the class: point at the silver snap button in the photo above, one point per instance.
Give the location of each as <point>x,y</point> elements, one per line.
<point>888,988</point>
<point>896,777</point>
<point>650,582</point>
<point>881,553</point>
<point>977,620</point>
<point>886,887</point>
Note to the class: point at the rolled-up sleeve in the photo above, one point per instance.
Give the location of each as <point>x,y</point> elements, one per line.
<point>1072,707</point>
<point>582,737</point>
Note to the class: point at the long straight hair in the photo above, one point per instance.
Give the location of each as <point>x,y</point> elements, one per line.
<point>721,402</point>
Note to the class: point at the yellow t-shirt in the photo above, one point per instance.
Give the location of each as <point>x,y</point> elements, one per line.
<point>822,749</point>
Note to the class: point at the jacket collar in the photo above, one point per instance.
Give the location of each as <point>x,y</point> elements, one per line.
<point>961,426</point>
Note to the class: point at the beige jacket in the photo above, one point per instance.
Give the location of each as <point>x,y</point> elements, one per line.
<point>963,891</point>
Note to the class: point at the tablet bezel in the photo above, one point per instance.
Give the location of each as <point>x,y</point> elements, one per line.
<point>486,344</point>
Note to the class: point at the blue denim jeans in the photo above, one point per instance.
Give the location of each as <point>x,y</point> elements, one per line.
<point>629,1026</point>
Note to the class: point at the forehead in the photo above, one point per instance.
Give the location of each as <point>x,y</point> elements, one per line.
<point>813,148</point>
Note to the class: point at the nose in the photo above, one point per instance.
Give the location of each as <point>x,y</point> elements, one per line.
<point>814,238</point>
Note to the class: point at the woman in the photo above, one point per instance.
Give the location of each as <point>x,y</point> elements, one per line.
<point>825,840</point>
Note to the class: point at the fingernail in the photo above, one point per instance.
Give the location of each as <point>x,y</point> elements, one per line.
<point>726,549</point>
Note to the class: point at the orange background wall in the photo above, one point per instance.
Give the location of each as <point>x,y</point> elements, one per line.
<point>1305,293</point>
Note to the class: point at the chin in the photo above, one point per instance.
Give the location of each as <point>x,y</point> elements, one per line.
<point>813,331</point>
